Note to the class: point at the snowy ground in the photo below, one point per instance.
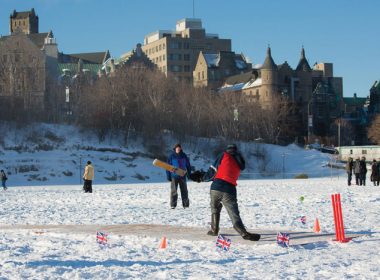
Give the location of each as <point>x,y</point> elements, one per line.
<point>264,204</point>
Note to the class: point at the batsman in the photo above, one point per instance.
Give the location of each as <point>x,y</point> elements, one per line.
<point>224,173</point>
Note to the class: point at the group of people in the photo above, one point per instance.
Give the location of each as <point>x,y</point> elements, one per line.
<point>359,169</point>
<point>223,174</point>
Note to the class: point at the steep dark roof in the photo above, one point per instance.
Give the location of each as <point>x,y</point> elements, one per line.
<point>354,101</point>
<point>95,57</point>
<point>37,38</point>
<point>241,78</point>
<point>303,65</point>
<point>269,62</point>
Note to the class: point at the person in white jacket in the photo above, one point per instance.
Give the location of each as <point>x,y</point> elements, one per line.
<point>88,176</point>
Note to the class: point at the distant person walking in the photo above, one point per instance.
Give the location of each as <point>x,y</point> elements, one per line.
<point>357,171</point>
<point>88,176</point>
<point>375,175</point>
<point>4,179</point>
<point>349,167</point>
<point>363,171</point>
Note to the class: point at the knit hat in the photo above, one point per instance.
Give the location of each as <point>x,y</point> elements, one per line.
<point>232,147</point>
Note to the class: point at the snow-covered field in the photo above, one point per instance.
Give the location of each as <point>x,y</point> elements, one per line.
<point>264,204</point>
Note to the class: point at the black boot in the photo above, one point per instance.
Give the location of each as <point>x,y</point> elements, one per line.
<point>215,218</point>
<point>239,227</point>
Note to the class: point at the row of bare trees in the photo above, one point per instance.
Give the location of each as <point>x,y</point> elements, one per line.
<point>148,103</point>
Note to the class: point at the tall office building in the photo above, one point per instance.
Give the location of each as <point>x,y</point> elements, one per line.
<point>176,52</point>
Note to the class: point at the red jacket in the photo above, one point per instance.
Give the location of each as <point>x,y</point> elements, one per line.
<point>228,169</point>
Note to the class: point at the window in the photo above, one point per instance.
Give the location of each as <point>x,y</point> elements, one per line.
<point>350,152</point>
<point>176,68</point>
<point>175,45</point>
<point>159,47</point>
<point>160,58</point>
<point>175,56</point>
<point>163,46</point>
<point>364,152</point>
<point>156,48</point>
<point>186,57</point>
<point>203,75</point>
<point>186,46</point>
<point>163,57</point>
<point>17,57</point>
<point>186,68</point>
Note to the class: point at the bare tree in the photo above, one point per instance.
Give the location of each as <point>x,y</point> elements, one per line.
<point>374,130</point>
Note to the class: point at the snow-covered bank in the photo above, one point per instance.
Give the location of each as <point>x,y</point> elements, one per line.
<point>262,203</point>
<point>45,154</point>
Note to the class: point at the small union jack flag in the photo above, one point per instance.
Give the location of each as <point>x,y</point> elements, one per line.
<point>283,239</point>
<point>303,220</point>
<point>101,238</point>
<point>223,243</point>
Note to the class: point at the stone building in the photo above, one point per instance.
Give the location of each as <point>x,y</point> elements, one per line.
<point>28,63</point>
<point>175,52</point>
<point>213,68</point>
<point>315,91</point>
<point>25,22</point>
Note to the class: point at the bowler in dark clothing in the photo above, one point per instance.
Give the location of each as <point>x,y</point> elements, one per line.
<point>180,160</point>
<point>223,191</point>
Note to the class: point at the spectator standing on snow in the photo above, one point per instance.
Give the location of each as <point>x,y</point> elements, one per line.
<point>88,177</point>
<point>4,178</point>
<point>375,176</point>
<point>363,171</point>
<point>357,170</point>
<point>180,160</point>
<point>223,191</point>
<point>349,167</point>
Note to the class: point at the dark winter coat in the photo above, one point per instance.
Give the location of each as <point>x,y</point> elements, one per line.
<point>179,161</point>
<point>375,175</point>
<point>3,176</point>
<point>363,167</point>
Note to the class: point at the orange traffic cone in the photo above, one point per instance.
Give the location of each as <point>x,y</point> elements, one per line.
<point>316,228</point>
<point>163,243</point>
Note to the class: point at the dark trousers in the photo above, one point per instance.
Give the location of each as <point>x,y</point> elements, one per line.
<point>228,200</point>
<point>3,184</point>
<point>357,177</point>
<point>362,178</point>
<point>174,194</point>
<point>87,187</point>
<point>349,174</point>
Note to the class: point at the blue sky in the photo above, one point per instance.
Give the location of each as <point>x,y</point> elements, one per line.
<point>344,32</point>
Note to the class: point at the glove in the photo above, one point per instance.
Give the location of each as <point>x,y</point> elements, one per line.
<point>197,176</point>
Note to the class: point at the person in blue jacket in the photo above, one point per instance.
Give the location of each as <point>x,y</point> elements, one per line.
<point>180,160</point>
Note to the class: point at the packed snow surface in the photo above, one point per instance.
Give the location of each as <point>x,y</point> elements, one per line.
<point>264,204</point>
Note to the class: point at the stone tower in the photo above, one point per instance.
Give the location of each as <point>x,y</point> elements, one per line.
<point>304,73</point>
<point>269,78</point>
<point>26,22</point>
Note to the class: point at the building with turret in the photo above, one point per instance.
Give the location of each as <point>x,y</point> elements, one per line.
<point>315,91</point>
